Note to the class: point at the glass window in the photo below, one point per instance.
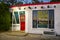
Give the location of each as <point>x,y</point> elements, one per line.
<point>43,18</point>
<point>51,18</point>
<point>15,18</point>
<point>35,19</point>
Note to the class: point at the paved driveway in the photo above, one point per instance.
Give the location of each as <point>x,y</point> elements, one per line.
<point>5,36</point>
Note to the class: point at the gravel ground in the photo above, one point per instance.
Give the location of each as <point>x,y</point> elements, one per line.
<point>4,36</point>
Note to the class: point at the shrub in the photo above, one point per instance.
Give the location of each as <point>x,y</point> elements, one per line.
<point>5,18</point>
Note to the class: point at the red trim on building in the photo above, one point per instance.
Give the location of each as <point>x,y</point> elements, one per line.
<point>34,4</point>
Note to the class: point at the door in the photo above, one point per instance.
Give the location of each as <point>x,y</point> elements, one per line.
<point>22,20</point>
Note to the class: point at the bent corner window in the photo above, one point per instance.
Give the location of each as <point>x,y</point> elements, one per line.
<point>15,18</point>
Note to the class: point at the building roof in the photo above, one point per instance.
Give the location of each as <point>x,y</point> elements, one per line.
<point>34,4</point>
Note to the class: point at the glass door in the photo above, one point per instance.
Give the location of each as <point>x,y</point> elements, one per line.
<point>15,21</point>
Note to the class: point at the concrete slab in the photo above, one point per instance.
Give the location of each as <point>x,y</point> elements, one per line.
<point>16,33</point>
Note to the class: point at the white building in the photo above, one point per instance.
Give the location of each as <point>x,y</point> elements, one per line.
<point>43,18</point>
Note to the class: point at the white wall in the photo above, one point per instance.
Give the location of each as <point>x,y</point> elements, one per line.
<point>57,20</point>
<point>15,27</point>
<point>29,29</point>
<point>41,30</point>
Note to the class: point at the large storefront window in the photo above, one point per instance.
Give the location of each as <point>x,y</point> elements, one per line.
<point>43,18</point>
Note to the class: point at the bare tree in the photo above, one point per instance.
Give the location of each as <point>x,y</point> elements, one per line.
<point>35,1</point>
<point>55,1</point>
